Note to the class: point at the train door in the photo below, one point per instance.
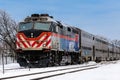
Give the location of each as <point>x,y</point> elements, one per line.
<point>55,37</point>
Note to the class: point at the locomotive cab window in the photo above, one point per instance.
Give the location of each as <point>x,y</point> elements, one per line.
<point>42,26</point>
<point>25,26</point>
<point>69,32</point>
<point>36,25</point>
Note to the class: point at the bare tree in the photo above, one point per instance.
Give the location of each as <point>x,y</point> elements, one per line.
<point>8,29</point>
<point>116,42</point>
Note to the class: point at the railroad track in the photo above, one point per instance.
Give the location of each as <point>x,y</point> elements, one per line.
<point>44,77</point>
<point>50,73</point>
<point>86,68</point>
<point>15,68</point>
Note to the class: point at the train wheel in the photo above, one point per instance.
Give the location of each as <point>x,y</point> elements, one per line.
<point>50,59</point>
<point>22,62</point>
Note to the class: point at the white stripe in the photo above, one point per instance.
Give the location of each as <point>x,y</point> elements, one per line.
<point>48,38</point>
<point>24,41</point>
<point>17,46</point>
<point>49,43</point>
<point>18,39</point>
<point>35,46</point>
<point>22,46</point>
<point>41,39</point>
<point>31,42</point>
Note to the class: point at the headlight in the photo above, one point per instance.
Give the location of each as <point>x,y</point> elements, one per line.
<point>44,45</point>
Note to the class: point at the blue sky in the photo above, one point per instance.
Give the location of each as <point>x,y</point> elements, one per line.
<point>99,17</point>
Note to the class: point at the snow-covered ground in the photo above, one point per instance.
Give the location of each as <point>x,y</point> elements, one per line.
<point>32,70</point>
<point>104,72</point>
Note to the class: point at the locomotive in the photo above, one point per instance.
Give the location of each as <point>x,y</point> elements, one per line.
<point>42,41</point>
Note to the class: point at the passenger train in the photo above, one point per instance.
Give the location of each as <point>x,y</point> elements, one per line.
<point>42,41</point>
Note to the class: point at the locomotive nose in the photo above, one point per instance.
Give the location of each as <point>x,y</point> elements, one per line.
<point>33,42</point>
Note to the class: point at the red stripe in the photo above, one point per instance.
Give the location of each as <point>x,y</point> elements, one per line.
<point>34,43</point>
<point>48,42</point>
<point>29,43</point>
<point>42,41</point>
<point>22,41</point>
<point>18,44</point>
<point>62,36</point>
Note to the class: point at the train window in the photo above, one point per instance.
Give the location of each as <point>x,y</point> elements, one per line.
<point>62,31</point>
<point>75,31</point>
<point>88,48</point>
<point>61,26</point>
<point>25,26</point>
<point>69,29</point>
<point>42,26</point>
<point>98,40</point>
<point>87,35</point>
<point>101,41</point>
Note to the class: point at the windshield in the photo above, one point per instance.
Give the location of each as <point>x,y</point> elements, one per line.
<point>25,26</point>
<point>37,26</point>
<point>42,26</point>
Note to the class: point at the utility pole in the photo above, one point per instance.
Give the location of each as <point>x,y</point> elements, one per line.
<point>3,63</point>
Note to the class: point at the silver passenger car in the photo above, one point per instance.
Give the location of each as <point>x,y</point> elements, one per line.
<point>101,48</point>
<point>87,45</point>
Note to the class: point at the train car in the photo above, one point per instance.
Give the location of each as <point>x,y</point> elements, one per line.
<point>87,43</point>
<point>111,49</point>
<point>101,48</point>
<point>42,41</point>
<point>116,54</point>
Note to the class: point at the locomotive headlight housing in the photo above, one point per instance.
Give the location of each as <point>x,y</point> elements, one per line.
<point>44,45</point>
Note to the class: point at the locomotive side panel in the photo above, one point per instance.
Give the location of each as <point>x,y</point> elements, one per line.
<point>65,40</point>
<point>72,40</point>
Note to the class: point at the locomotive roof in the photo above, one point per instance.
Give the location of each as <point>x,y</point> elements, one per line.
<point>39,18</point>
